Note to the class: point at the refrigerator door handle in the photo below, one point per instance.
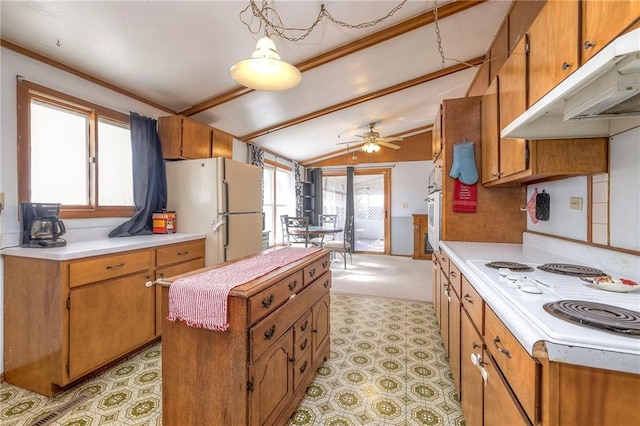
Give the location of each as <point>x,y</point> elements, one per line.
<point>225,183</point>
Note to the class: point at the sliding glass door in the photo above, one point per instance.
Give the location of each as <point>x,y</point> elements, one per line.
<point>371,200</point>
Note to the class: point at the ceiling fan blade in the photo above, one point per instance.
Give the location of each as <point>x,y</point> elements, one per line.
<point>389,145</point>
<point>350,143</point>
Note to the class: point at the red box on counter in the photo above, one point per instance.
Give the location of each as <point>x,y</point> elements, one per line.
<point>164,222</point>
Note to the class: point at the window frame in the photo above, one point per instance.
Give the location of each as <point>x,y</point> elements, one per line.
<point>26,91</point>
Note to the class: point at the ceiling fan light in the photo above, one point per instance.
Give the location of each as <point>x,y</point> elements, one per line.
<point>370,147</point>
<point>265,70</point>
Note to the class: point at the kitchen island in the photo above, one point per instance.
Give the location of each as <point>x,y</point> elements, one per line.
<point>515,363</point>
<point>255,369</point>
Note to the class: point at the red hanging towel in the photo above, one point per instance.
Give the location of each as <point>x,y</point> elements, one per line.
<point>465,197</point>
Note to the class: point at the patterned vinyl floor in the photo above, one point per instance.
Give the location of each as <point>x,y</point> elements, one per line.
<point>387,367</point>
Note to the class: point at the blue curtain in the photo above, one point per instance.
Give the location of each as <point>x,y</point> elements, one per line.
<point>350,207</point>
<point>149,177</point>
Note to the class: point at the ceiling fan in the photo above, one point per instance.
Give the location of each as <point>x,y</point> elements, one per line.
<point>372,141</point>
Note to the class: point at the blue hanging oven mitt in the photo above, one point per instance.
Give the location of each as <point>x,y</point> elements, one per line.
<point>464,163</point>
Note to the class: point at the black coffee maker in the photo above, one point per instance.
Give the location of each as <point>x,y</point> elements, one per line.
<point>41,227</point>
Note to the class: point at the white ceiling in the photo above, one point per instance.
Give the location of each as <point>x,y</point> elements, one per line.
<point>178,54</point>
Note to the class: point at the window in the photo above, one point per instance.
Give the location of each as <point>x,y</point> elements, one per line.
<point>279,198</point>
<point>74,153</point>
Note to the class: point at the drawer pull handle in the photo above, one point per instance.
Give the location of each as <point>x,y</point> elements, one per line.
<point>324,264</point>
<point>315,330</point>
<point>326,284</point>
<point>566,65</point>
<point>183,253</point>
<point>588,45</point>
<point>303,367</point>
<point>303,345</point>
<point>293,284</point>
<point>304,326</point>
<point>453,274</point>
<point>267,301</point>
<point>496,343</point>
<point>292,359</point>
<point>270,332</point>
<point>468,299</point>
<point>312,272</point>
<point>161,274</point>
<point>115,266</point>
<point>474,345</point>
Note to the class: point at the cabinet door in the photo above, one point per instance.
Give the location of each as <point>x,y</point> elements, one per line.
<point>454,338</point>
<point>196,139</point>
<point>222,144</point>
<point>513,102</point>
<point>472,384</point>
<point>553,46</point>
<point>444,309</point>
<point>108,319</point>
<point>490,133</point>
<point>435,277</point>
<point>272,378</point>
<point>320,325</point>
<point>500,406</point>
<point>602,21</point>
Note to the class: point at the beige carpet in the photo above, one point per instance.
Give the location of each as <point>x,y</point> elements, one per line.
<point>395,277</point>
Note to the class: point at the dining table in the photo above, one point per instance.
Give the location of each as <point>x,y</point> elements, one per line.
<point>312,230</point>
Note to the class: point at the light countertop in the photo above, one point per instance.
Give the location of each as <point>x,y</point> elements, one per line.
<point>526,331</point>
<point>79,249</point>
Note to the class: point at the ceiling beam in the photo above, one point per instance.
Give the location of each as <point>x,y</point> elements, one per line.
<point>403,27</point>
<point>365,98</point>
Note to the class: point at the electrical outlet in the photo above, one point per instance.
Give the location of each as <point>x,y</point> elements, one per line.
<point>405,205</point>
<point>1,201</point>
<point>575,203</point>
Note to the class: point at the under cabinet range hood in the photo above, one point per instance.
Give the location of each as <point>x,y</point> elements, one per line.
<point>605,88</point>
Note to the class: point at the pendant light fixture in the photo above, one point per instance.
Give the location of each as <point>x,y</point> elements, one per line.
<point>265,70</point>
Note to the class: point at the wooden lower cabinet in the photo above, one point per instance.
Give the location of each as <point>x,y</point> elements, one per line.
<point>257,371</point>
<point>500,405</point>
<point>471,387</point>
<point>420,229</point>
<point>66,319</point>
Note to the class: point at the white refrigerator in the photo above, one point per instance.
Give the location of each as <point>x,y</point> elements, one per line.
<point>220,198</point>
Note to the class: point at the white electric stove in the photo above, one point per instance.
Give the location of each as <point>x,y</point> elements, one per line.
<point>566,289</point>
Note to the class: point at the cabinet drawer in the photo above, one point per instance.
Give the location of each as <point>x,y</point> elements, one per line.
<point>519,369</point>
<point>473,304</point>
<point>303,326</point>
<point>179,253</point>
<point>316,269</point>
<point>301,368</point>
<point>455,278</point>
<point>265,302</point>
<point>108,267</point>
<point>444,262</point>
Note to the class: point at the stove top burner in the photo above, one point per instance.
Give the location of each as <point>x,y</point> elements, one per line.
<point>597,315</point>
<point>514,266</point>
<point>573,270</point>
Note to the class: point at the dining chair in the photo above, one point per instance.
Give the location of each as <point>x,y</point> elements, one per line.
<point>298,223</point>
<point>285,231</point>
<point>328,220</point>
<point>343,246</point>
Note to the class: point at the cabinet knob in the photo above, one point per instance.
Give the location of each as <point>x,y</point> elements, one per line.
<point>453,274</point>
<point>267,301</point>
<point>303,367</point>
<point>588,45</point>
<point>566,65</point>
<point>496,174</point>
<point>270,332</point>
<point>468,299</point>
<point>303,345</point>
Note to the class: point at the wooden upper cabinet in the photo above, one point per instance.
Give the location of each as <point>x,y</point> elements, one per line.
<point>513,102</point>
<point>490,133</point>
<point>184,138</point>
<point>222,144</point>
<point>436,134</point>
<point>603,21</point>
<point>553,46</point>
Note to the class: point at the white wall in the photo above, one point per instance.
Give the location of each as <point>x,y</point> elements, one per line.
<point>408,193</point>
<point>14,64</point>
